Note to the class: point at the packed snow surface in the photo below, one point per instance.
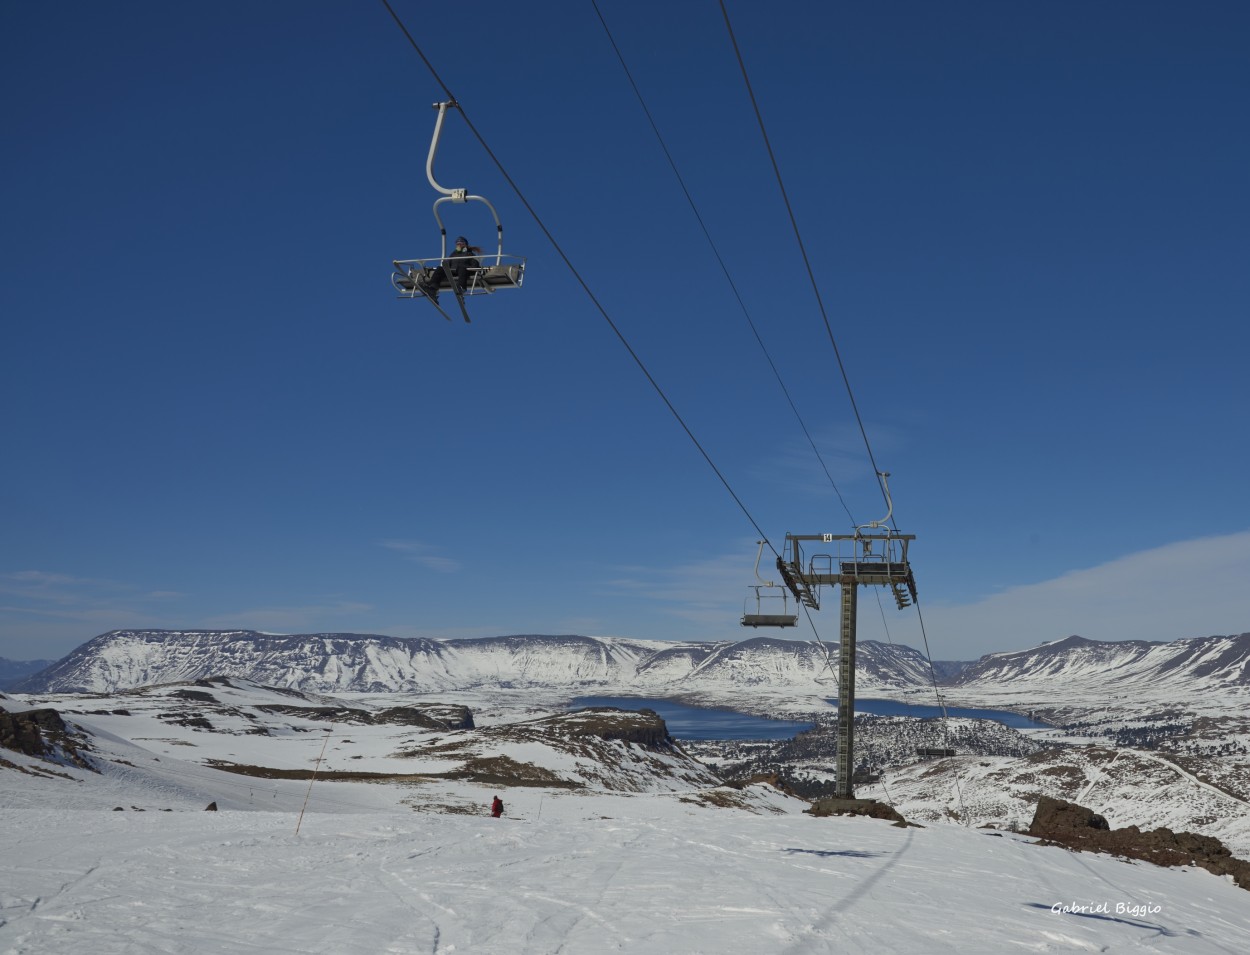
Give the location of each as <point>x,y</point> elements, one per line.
<point>580,874</point>
<point>415,864</point>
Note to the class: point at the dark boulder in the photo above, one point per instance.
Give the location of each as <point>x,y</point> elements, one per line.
<point>42,734</point>
<point>833,806</point>
<point>1055,815</point>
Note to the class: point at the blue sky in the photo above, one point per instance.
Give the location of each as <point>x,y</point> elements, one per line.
<point>1028,223</point>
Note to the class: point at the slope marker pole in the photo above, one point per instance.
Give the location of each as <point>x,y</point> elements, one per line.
<point>316,766</point>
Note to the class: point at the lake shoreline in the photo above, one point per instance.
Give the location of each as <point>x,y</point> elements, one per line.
<point>694,722</point>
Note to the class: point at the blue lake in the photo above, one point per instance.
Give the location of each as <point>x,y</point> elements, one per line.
<point>921,711</point>
<point>698,722</point>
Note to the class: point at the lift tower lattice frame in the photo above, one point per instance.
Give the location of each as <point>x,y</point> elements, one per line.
<point>868,559</point>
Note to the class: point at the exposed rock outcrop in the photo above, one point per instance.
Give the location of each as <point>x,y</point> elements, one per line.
<point>1067,824</point>
<point>23,732</point>
<point>832,806</point>
<point>644,726</point>
<point>428,715</point>
<point>41,734</point>
<point>1055,815</point>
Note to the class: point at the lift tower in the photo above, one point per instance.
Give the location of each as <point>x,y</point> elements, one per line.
<point>873,556</point>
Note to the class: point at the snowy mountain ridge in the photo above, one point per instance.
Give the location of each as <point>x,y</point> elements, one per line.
<point>369,663</point>
<point>11,671</point>
<point>1208,663</point>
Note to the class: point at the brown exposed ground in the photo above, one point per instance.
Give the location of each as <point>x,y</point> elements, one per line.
<point>832,806</point>
<point>1057,822</point>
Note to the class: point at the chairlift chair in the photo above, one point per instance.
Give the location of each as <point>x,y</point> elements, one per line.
<point>495,271</point>
<point>759,618</point>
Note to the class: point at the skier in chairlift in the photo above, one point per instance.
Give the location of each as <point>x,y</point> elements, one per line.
<point>455,269</point>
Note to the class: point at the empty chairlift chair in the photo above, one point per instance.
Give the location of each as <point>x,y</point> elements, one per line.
<point>759,618</point>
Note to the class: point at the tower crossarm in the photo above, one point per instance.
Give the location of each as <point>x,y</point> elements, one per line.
<point>868,559</point>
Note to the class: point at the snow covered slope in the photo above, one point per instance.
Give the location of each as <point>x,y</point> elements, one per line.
<point>1127,787</point>
<point>221,729</point>
<point>386,861</point>
<point>1210,663</point>
<point>647,876</point>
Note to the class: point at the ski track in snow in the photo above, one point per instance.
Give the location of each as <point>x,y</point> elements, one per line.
<point>1190,777</point>
<point>596,873</point>
<point>405,868</point>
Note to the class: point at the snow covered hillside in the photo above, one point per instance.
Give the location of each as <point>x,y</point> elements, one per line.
<point>1211,663</point>
<point>998,774</point>
<point>336,662</point>
<point>1065,679</point>
<point>612,840</point>
<point>235,732</point>
<point>1127,787</point>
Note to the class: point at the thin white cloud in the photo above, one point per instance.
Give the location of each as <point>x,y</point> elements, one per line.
<point>44,587</point>
<point>1185,589</point>
<point>424,554</point>
<point>47,614</point>
<point>1190,588</point>
<point>88,599</point>
<point>795,468</point>
<point>708,593</point>
<point>112,617</point>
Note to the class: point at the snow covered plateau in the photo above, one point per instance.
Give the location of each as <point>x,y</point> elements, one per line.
<point>352,784</point>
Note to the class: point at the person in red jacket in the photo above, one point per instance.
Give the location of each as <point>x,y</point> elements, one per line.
<point>496,807</point>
